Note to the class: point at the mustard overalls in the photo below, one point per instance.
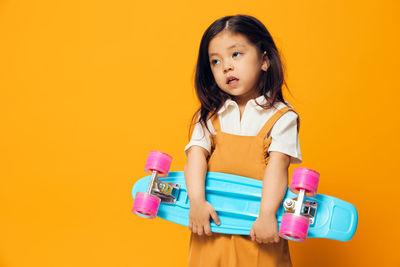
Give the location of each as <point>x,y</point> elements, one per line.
<point>246,156</point>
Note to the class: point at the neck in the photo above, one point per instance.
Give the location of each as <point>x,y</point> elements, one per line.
<point>243,99</point>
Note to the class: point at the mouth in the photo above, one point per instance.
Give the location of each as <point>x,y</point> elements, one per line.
<point>231,80</point>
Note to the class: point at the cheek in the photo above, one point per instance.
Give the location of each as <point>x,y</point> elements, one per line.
<point>253,71</point>
<point>218,78</point>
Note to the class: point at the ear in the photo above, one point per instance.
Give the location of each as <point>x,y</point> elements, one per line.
<point>265,63</point>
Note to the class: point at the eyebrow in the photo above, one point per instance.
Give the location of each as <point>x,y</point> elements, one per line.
<point>232,46</point>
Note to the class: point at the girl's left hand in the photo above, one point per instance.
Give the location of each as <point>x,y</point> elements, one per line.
<point>265,229</point>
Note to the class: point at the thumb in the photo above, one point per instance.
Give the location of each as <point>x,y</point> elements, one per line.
<point>252,235</point>
<point>214,216</point>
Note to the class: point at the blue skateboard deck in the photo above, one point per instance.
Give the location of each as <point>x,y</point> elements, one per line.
<point>236,199</point>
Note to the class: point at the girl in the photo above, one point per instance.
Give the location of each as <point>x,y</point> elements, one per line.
<point>245,128</point>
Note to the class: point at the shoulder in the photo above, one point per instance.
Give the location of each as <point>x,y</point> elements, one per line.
<point>289,121</point>
<point>290,115</point>
<point>209,123</point>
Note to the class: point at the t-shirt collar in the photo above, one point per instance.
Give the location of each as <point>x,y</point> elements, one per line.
<point>260,100</point>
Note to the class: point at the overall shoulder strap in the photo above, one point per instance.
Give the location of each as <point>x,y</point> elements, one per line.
<point>270,123</point>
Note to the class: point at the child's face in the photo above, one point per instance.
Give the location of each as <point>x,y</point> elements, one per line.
<point>242,61</point>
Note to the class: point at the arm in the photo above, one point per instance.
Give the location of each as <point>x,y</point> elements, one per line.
<point>265,228</point>
<point>200,210</point>
<point>275,183</point>
<point>196,169</point>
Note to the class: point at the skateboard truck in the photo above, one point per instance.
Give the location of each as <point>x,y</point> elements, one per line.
<point>308,208</point>
<point>146,204</point>
<point>167,192</point>
<point>300,213</point>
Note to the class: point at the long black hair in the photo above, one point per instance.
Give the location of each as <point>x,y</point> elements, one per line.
<point>211,97</point>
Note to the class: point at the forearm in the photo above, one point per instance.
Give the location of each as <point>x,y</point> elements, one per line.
<point>275,183</point>
<point>195,172</point>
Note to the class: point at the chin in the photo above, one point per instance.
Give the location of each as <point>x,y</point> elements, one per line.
<point>233,92</point>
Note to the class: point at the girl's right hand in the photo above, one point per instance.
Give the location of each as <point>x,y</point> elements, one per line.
<point>199,217</point>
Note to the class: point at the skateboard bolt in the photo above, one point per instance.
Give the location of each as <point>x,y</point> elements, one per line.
<point>164,188</point>
<point>289,204</point>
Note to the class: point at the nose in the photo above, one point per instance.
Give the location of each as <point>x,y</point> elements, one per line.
<point>228,66</point>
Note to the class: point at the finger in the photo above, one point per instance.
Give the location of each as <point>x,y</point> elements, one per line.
<point>207,229</point>
<point>200,230</point>
<point>194,229</point>
<point>252,235</point>
<point>277,239</point>
<point>273,240</point>
<point>266,241</point>
<point>214,216</point>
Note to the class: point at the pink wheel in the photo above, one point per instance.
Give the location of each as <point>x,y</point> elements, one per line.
<point>294,227</point>
<point>304,178</point>
<point>158,161</point>
<point>146,205</point>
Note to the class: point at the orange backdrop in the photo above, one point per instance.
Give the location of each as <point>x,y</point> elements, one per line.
<point>88,88</point>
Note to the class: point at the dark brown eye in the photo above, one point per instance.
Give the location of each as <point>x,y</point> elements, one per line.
<point>213,61</point>
<point>237,53</point>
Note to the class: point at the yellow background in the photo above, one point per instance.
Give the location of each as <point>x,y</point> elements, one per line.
<point>88,88</point>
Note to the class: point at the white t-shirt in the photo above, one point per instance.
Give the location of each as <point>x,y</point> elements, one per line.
<point>284,134</point>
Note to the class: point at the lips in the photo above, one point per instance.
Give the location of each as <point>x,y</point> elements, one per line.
<point>232,81</point>
<point>231,78</point>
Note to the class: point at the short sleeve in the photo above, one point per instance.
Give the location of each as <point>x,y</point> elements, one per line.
<point>201,137</point>
<point>285,138</point>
